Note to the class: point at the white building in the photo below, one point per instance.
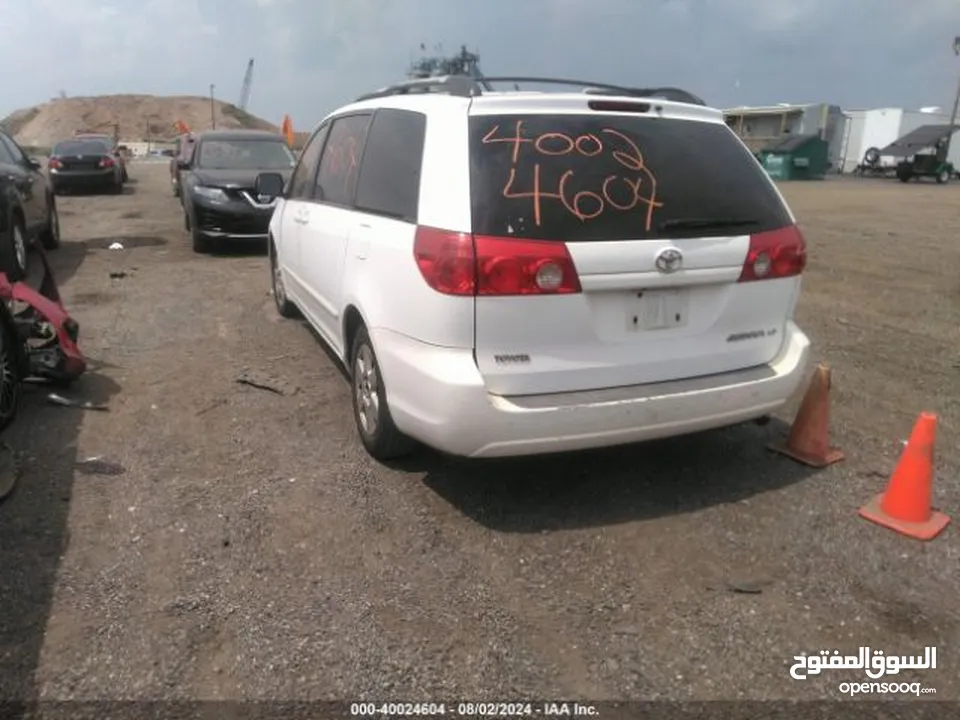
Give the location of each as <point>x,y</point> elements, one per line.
<point>878,128</point>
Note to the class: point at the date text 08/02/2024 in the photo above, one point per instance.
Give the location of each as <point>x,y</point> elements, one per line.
<point>471,709</point>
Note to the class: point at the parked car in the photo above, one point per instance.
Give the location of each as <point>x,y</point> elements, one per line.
<point>513,273</point>
<point>28,209</point>
<point>111,143</point>
<point>219,202</point>
<point>182,152</point>
<point>84,165</point>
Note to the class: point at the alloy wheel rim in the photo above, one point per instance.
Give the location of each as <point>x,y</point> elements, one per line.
<point>19,246</point>
<point>8,381</point>
<point>366,385</point>
<point>279,293</point>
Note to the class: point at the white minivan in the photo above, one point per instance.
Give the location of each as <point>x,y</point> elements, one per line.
<point>513,273</point>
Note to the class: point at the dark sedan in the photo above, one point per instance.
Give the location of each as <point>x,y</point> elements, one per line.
<point>28,209</point>
<point>217,185</point>
<point>84,165</point>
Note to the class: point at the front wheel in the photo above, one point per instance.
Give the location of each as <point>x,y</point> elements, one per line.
<point>201,243</point>
<point>379,435</point>
<point>943,177</point>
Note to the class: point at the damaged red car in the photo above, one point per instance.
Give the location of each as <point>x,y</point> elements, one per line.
<point>38,338</point>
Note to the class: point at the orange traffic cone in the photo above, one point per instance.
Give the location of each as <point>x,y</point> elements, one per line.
<point>906,505</point>
<point>809,438</point>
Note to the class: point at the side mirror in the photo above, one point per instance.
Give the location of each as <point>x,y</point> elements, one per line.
<point>35,163</point>
<point>269,185</point>
<point>183,164</point>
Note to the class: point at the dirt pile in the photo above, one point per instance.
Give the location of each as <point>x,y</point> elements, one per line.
<point>140,117</point>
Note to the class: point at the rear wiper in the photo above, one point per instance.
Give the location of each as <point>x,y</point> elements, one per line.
<point>705,223</point>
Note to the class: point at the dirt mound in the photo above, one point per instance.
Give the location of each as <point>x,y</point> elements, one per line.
<point>140,117</point>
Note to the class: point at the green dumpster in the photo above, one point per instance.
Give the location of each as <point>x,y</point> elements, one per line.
<point>796,157</point>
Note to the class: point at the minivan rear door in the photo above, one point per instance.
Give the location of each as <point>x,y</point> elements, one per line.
<point>656,210</point>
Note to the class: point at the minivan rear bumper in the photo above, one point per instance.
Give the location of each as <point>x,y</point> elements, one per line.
<point>437,396</point>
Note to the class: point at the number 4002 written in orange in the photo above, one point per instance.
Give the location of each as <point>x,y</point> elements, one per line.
<point>622,192</point>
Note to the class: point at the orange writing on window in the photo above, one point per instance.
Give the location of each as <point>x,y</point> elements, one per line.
<point>344,160</point>
<point>636,187</point>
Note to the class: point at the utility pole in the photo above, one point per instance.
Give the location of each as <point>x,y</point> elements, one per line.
<point>956,102</point>
<point>213,117</point>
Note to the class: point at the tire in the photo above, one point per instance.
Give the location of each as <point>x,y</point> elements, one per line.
<point>285,308</point>
<point>176,190</point>
<point>943,177</point>
<point>13,251</point>
<point>50,236</point>
<point>117,188</point>
<point>11,378</point>
<point>201,243</point>
<point>379,435</point>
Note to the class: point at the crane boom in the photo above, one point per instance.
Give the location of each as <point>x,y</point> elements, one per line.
<point>245,89</point>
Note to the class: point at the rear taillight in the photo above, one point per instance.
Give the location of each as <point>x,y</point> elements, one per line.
<point>105,162</point>
<point>524,267</point>
<point>446,260</point>
<point>460,264</point>
<point>775,254</point>
<point>54,164</point>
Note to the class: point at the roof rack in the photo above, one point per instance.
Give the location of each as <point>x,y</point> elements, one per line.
<point>469,86</point>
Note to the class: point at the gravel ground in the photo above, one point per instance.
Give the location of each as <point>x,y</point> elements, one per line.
<point>245,547</point>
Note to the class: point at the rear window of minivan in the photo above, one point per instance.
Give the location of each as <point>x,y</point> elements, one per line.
<point>576,178</point>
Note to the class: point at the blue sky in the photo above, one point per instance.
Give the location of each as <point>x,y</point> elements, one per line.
<point>312,55</point>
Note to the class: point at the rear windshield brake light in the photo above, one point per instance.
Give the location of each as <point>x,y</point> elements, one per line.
<point>618,106</point>
<point>775,254</point>
<point>467,265</point>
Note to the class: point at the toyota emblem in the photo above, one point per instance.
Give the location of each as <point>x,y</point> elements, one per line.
<point>669,260</point>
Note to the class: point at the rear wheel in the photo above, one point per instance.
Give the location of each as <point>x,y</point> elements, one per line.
<point>13,251</point>
<point>50,237</point>
<point>286,308</point>
<point>943,176</point>
<point>379,435</point>
<point>11,380</point>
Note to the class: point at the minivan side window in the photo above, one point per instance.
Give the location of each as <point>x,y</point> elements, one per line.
<point>340,164</point>
<point>389,181</point>
<point>304,176</point>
